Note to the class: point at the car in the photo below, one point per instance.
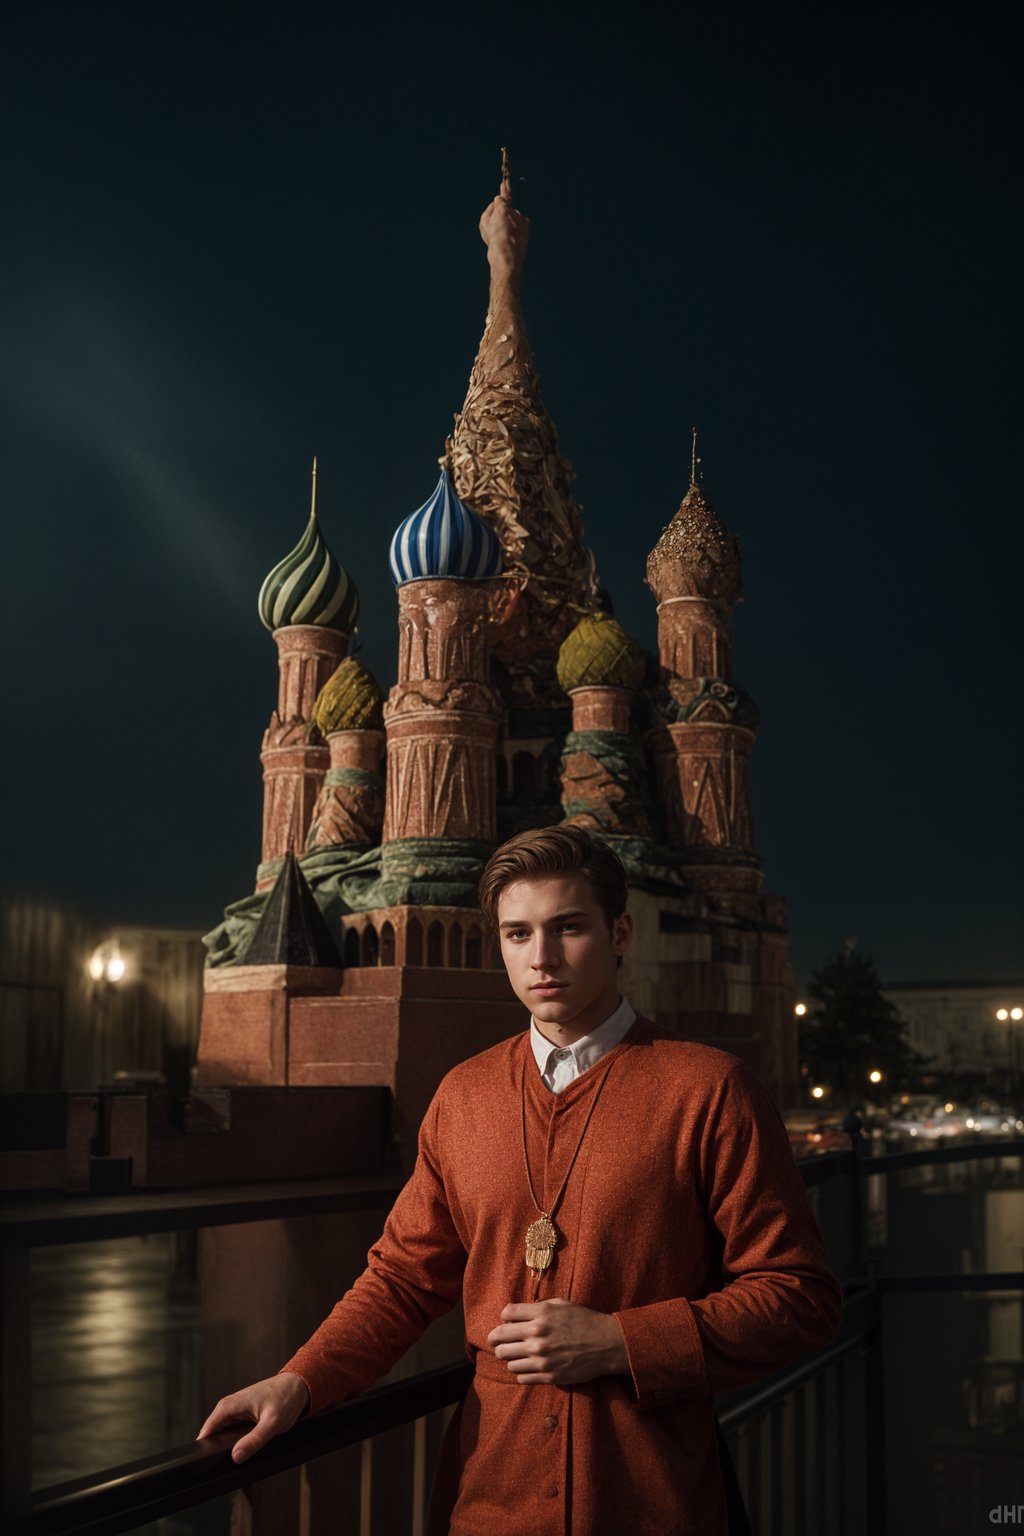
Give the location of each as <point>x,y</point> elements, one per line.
<point>1000,1123</point>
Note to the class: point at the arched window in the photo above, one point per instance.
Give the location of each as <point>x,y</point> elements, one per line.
<point>371,946</point>
<point>351,948</point>
<point>414,942</point>
<point>435,944</point>
<point>474,949</point>
<point>455,945</point>
<point>524,775</point>
<point>387,944</point>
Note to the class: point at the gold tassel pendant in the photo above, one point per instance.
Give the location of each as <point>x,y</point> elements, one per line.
<point>541,1238</point>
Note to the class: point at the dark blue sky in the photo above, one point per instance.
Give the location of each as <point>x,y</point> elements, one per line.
<point>239,235</point>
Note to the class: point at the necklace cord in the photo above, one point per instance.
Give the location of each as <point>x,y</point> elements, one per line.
<point>549,1215</point>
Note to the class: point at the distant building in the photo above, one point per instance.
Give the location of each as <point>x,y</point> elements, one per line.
<point>957,1025</point>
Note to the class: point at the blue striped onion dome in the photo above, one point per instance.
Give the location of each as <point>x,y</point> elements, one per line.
<point>309,587</point>
<point>444,538</point>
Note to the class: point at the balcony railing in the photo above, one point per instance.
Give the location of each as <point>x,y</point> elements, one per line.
<point>809,1443</point>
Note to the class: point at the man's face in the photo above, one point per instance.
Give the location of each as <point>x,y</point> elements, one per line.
<point>559,954</point>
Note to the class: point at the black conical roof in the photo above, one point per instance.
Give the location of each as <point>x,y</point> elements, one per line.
<point>291,929</point>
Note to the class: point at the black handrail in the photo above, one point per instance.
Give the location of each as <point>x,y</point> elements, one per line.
<point>860,1310</point>
<point>37,1221</point>
<point>126,1497</point>
<point>968,1151</point>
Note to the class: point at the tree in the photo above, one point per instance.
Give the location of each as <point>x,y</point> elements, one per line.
<point>852,1029</point>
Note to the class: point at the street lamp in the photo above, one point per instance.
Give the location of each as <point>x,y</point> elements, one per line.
<point>1006,1016</point>
<point>107,963</point>
<point>800,1010</point>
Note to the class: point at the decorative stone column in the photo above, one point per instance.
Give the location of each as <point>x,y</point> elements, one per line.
<point>441,717</point>
<point>702,766</point>
<point>294,757</point>
<point>702,747</point>
<point>603,766</point>
<point>600,667</point>
<point>601,708</point>
<point>693,641</point>
<point>350,807</point>
<point>310,605</point>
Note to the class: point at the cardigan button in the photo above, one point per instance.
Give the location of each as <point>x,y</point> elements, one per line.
<point>551,1422</point>
<point>552,1493</point>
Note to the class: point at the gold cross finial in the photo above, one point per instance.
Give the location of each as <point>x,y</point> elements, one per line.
<point>312,510</point>
<point>694,460</point>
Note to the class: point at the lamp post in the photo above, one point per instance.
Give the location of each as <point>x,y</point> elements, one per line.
<point>1009,1017</point>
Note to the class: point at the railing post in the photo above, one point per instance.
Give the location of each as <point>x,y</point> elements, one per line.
<point>871,1349</point>
<point>15,1383</point>
<point>874,1417</point>
<point>853,1126</point>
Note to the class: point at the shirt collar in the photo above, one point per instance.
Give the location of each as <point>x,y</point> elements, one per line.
<point>589,1050</point>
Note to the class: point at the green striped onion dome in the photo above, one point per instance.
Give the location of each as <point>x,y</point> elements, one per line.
<point>309,587</point>
<point>350,700</point>
<point>599,653</point>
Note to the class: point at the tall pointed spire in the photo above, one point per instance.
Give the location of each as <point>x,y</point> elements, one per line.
<point>504,460</point>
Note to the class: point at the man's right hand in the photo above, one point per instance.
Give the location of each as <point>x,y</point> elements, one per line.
<point>270,1406</point>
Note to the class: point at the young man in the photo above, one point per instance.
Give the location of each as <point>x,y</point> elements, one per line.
<point>621,1212</point>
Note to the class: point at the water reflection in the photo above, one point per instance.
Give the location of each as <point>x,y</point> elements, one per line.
<point>954,1364</point>
<point>115,1356</point>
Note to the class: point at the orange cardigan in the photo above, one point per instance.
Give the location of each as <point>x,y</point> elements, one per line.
<point>685,1215</point>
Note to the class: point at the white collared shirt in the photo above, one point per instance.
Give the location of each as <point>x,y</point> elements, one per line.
<point>562,1064</point>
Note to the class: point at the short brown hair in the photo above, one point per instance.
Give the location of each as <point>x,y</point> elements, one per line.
<point>555,851</point>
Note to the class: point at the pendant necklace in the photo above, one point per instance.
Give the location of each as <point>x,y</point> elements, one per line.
<point>542,1235</point>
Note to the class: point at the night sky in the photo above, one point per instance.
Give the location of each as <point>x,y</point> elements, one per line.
<point>238,235</point>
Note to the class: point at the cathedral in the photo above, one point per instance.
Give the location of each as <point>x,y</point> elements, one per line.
<point>361,957</point>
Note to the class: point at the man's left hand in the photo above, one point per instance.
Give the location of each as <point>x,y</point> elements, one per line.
<point>558,1343</point>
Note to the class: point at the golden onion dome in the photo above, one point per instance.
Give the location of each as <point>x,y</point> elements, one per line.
<point>599,653</point>
<point>695,556</point>
<point>350,700</point>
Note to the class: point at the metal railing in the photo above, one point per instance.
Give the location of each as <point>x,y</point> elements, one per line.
<point>809,1443</point>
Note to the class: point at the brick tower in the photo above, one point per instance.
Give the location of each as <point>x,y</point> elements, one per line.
<point>310,605</point>
<point>702,752</point>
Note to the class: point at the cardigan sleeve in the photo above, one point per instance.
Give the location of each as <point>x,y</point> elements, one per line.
<point>779,1297</point>
<point>413,1275</point>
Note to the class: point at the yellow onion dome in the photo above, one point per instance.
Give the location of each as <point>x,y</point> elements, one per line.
<point>350,700</point>
<point>599,653</point>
